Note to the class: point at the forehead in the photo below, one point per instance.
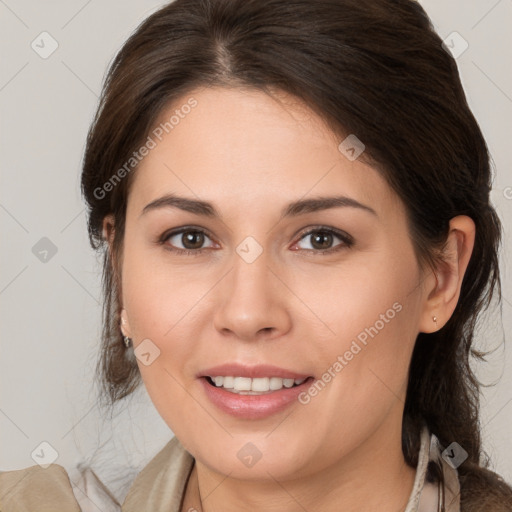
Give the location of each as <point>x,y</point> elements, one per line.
<point>239,144</point>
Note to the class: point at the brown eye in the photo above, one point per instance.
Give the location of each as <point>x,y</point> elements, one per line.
<point>322,239</point>
<point>191,240</point>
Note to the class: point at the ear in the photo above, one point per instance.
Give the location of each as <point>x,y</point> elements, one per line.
<point>108,235</point>
<point>108,228</point>
<point>443,289</point>
<point>125,324</point>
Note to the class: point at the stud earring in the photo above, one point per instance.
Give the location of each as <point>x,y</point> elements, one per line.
<point>434,318</point>
<point>127,341</point>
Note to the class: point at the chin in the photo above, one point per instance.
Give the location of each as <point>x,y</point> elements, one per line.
<point>251,457</point>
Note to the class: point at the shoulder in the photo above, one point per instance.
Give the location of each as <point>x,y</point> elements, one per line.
<point>37,488</point>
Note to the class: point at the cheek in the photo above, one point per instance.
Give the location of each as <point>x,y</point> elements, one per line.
<point>363,298</point>
<point>158,312</point>
<point>364,379</point>
<point>163,307</point>
<point>155,293</point>
<point>372,327</point>
<point>163,312</point>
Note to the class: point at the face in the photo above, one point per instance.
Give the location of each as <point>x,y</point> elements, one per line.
<point>266,295</point>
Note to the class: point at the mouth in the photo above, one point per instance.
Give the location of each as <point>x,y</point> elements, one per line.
<point>254,386</point>
<point>253,398</point>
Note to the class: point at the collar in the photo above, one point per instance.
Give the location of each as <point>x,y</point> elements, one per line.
<point>429,496</point>
<point>160,485</point>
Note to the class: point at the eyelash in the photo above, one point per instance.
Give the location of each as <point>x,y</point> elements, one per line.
<point>347,240</point>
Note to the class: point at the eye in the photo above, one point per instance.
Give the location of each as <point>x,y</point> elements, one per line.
<point>191,239</point>
<point>322,238</point>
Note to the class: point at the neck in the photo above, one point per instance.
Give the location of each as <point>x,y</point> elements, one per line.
<point>374,476</point>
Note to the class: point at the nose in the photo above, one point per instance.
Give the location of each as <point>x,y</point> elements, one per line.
<point>253,302</point>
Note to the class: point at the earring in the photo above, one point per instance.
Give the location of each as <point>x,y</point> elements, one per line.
<point>127,341</point>
<point>434,318</point>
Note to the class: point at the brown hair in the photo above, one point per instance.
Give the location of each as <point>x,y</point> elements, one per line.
<point>375,68</point>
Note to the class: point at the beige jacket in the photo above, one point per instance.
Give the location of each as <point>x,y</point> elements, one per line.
<point>160,486</point>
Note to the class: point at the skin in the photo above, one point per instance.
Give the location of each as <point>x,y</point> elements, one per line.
<point>293,306</point>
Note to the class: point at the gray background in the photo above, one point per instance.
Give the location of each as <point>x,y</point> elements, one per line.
<point>50,310</point>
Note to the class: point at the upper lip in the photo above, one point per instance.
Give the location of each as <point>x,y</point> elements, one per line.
<point>260,370</point>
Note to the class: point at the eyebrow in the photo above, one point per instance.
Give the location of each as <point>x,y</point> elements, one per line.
<point>293,209</point>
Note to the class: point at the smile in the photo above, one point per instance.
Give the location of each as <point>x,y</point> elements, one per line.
<point>253,398</point>
<point>256,386</point>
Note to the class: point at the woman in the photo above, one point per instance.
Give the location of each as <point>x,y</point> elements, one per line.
<point>294,202</point>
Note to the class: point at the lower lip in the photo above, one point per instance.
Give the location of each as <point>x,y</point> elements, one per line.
<point>253,406</point>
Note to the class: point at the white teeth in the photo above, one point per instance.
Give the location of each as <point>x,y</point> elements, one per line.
<point>242,384</point>
<point>275,383</point>
<point>229,382</point>
<point>245,385</point>
<point>260,384</point>
<point>288,383</point>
